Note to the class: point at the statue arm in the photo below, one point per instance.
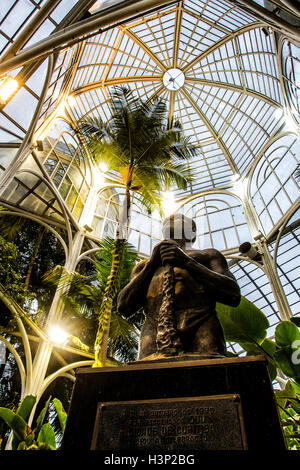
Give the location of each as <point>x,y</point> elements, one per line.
<point>217,278</point>
<point>133,295</point>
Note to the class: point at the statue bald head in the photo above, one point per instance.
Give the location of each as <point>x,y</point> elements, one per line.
<point>179,227</point>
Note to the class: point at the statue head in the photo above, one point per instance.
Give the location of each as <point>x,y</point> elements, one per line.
<point>179,227</point>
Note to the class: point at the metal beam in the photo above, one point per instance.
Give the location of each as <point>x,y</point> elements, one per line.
<point>269,18</point>
<point>178,23</point>
<point>30,29</point>
<point>212,130</point>
<point>145,48</point>
<point>239,89</point>
<point>74,15</point>
<point>108,18</point>
<point>220,43</point>
<point>113,82</point>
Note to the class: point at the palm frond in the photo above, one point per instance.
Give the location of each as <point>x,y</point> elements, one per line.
<point>62,278</point>
<point>168,174</point>
<point>123,338</point>
<point>93,126</point>
<point>11,225</point>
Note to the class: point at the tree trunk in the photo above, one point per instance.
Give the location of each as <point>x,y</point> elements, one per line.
<point>26,285</point>
<point>34,255</point>
<point>101,342</point>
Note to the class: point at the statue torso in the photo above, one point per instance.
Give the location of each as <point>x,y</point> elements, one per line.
<point>190,295</point>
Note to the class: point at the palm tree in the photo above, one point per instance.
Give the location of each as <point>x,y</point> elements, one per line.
<point>149,156</point>
<point>85,292</point>
<point>39,251</point>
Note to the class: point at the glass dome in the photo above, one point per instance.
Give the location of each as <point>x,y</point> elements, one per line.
<point>229,73</point>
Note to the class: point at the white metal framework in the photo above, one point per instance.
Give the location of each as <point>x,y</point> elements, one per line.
<point>228,70</point>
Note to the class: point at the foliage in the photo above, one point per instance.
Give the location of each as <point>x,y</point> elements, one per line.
<point>10,276</point>
<point>137,141</point>
<point>150,155</point>
<point>86,293</point>
<point>248,326</point>
<point>42,437</point>
<point>27,250</point>
<point>38,251</point>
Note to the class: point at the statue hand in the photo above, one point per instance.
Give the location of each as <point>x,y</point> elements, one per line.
<point>172,254</point>
<point>155,259</point>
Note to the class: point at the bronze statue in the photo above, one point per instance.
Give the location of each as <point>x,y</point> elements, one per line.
<point>178,288</point>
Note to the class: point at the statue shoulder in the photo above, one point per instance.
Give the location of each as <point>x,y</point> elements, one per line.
<point>213,253</point>
<point>138,267</point>
<point>208,256</point>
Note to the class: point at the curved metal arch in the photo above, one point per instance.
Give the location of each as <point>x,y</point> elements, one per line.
<point>270,19</point>
<point>144,47</point>
<point>222,41</point>
<point>281,42</point>
<point>78,31</point>
<point>29,137</point>
<point>25,340</point>
<point>264,149</point>
<point>268,166</point>
<point>59,199</point>
<point>112,82</point>
<point>39,221</point>
<point>211,129</point>
<point>209,209</point>
<point>284,223</point>
<point>48,380</point>
<point>240,89</point>
<point>245,91</point>
<point>187,199</point>
<point>73,162</point>
<point>64,91</point>
<point>85,255</point>
<point>87,160</point>
<point>248,260</point>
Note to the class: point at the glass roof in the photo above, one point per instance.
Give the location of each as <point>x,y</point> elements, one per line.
<point>230,76</point>
<point>231,86</point>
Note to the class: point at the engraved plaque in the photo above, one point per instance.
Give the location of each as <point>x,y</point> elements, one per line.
<point>201,423</point>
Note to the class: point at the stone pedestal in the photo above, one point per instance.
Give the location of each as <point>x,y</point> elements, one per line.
<point>191,405</point>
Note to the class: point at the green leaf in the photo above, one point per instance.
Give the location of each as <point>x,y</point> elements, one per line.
<point>15,422</point>
<point>41,417</point>
<point>296,387</point>
<point>245,323</point>
<point>284,360</point>
<point>30,440</point>
<point>22,446</point>
<point>286,333</point>
<point>282,396</point>
<point>26,406</point>
<point>295,404</point>
<point>62,415</point>
<point>289,390</point>
<point>44,446</point>
<point>47,436</point>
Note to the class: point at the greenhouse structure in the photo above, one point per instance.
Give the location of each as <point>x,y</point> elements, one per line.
<point>229,71</point>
